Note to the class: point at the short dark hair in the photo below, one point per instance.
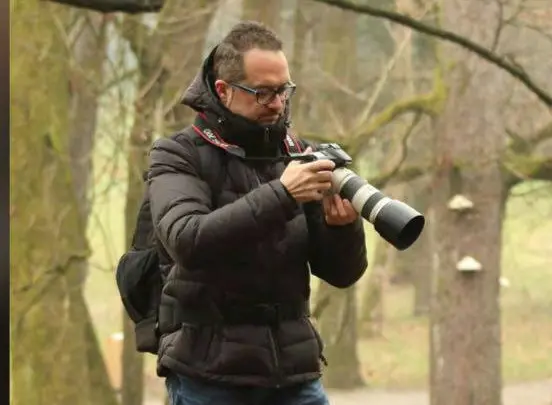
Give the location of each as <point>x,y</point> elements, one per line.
<point>244,36</point>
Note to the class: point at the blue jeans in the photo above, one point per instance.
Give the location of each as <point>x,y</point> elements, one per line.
<point>186,391</point>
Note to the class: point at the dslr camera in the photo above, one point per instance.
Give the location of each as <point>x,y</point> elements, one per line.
<point>396,222</point>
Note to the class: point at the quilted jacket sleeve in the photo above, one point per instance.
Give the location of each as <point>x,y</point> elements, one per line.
<point>337,254</point>
<point>191,233</point>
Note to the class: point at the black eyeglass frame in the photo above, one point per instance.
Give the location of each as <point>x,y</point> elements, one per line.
<point>273,93</point>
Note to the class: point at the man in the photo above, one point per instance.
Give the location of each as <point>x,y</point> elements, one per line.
<point>234,313</point>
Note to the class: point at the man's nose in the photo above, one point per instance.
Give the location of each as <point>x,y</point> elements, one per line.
<point>277,103</point>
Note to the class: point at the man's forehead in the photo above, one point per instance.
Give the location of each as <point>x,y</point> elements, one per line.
<point>266,68</point>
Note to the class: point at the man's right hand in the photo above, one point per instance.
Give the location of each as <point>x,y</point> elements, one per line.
<point>308,181</point>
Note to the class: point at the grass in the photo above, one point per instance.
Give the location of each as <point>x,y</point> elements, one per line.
<point>399,358</point>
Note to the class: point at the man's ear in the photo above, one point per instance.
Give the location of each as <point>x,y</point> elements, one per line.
<point>222,88</point>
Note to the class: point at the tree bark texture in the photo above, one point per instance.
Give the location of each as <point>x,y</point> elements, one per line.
<point>85,80</point>
<point>49,335</point>
<point>371,318</point>
<point>181,35</point>
<point>465,321</point>
<point>297,65</point>
<point>267,12</point>
<point>339,331</point>
<point>414,264</point>
<point>150,91</point>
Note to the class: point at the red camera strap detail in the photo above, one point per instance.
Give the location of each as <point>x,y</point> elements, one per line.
<point>211,137</point>
<point>208,134</point>
<point>291,143</point>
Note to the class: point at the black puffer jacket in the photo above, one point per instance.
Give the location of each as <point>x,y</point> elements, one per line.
<point>234,262</point>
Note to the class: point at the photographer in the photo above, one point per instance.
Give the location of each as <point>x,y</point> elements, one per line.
<point>234,318</point>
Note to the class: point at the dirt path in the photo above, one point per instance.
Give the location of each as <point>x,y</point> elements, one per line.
<point>530,393</point>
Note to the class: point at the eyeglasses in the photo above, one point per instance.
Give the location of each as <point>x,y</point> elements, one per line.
<point>266,95</point>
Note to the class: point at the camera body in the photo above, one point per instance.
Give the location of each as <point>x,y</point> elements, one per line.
<point>329,151</point>
<point>398,223</point>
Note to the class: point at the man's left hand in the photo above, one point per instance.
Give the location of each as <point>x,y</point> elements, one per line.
<point>338,211</point>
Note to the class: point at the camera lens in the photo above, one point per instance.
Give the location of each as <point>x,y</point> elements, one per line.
<point>395,221</point>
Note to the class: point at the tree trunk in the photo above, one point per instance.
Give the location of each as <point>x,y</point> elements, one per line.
<point>372,316</point>
<point>419,255</point>
<point>300,32</point>
<point>88,53</point>
<point>422,275</point>
<point>267,12</point>
<point>133,361</point>
<point>465,320</point>
<point>414,264</point>
<point>102,392</point>
<point>152,77</point>
<point>137,161</point>
<point>49,234</point>
<point>66,334</point>
<point>182,45</point>
<point>338,328</point>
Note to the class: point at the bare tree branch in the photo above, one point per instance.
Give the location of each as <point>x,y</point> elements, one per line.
<point>136,33</point>
<point>402,152</point>
<point>363,116</point>
<point>429,104</point>
<point>35,291</point>
<point>520,161</point>
<point>403,175</point>
<point>543,134</point>
<point>526,144</point>
<point>500,26</point>
<point>524,167</point>
<point>512,68</point>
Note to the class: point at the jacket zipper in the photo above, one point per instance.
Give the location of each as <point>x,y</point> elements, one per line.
<point>274,347</point>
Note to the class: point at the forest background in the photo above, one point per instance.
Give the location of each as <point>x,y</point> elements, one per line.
<point>434,99</point>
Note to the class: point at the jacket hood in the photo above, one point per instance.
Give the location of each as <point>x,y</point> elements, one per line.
<point>256,140</point>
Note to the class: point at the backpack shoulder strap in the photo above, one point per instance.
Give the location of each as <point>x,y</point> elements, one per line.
<point>143,236</point>
<point>213,162</point>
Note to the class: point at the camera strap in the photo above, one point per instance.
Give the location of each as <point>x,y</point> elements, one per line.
<point>211,136</point>
<point>292,145</point>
